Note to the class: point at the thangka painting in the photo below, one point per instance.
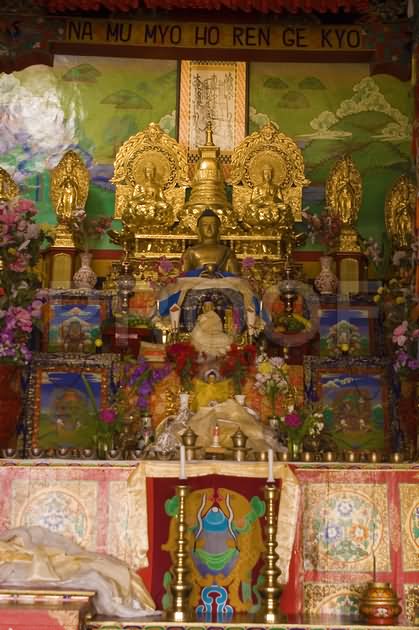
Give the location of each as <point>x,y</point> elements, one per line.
<point>65,399</point>
<point>73,324</point>
<point>350,328</point>
<point>355,396</point>
<point>212,91</point>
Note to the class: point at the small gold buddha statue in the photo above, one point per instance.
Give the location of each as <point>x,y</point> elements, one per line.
<point>147,207</point>
<point>400,212</point>
<point>267,207</point>
<point>209,257</point>
<point>68,198</point>
<point>345,197</point>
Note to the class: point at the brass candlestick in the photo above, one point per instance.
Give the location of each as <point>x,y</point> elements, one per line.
<point>181,586</point>
<point>271,589</point>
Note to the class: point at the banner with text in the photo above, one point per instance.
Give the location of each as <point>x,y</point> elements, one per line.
<point>228,36</point>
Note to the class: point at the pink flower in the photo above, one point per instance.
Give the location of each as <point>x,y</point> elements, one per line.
<point>165,265</point>
<point>108,415</point>
<point>293,420</point>
<point>401,329</point>
<point>248,262</point>
<point>9,218</point>
<point>399,333</point>
<point>24,205</point>
<point>20,263</point>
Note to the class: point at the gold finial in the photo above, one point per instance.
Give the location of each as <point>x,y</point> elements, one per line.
<point>209,140</point>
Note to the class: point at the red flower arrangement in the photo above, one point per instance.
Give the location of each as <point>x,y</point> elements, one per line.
<point>185,358</point>
<point>237,363</point>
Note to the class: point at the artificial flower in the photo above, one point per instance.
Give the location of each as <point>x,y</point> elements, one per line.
<point>21,240</point>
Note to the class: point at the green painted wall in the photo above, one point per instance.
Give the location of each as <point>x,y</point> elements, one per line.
<point>93,104</point>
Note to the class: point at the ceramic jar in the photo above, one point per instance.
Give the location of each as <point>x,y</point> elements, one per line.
<point>380,604</point>
<point>326,282</point>
<point>85,277</point>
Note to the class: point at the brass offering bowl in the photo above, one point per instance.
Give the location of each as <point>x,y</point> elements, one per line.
<point>9,453</point>
<point>396,458</point>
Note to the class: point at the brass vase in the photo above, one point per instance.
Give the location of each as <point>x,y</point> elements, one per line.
<point>380,604</point>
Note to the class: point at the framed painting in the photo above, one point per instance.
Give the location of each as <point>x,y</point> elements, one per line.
<point>357,400</point>
<point>212,91</point>
<point>355,327</point>
<point>65,395</point>
<point>72,320</point>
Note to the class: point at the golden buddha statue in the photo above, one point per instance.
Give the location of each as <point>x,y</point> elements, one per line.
<point>343,200</point>
<point>68,198</point>
<point>209,257</point>
<point>69,190</point>
<point>267,207</point>
<point>148,205</point>
<point>400,212</point>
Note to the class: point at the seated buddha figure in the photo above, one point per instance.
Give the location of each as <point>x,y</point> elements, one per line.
<point>267,207</point>
<point>209,257</point>
<point>208,267</point>
<point>147,207</point>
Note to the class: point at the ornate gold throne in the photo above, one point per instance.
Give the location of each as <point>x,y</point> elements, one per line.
<point>269,149</point>
<point>155,148</point>
<point>173,229</point>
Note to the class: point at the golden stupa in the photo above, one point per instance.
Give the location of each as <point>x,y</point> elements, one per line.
<point>208,186</point>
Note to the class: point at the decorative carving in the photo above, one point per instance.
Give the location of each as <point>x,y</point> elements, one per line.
<point>268,149</point>
<point>150,149</point>
<point>8,187</point>
<point>69,190</point>
<point>163,224</point>
<point>343,200</point>
<point>400,211</point>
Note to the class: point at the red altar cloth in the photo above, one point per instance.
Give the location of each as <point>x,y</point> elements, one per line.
<point>348,514</point>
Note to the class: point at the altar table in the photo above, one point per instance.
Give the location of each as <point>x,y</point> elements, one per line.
<point>43,609</point>
<point>347,515</point>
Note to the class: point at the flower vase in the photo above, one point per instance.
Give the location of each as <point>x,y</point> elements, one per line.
<point>183,401</point>
<point>293,449</point>
<point>103,444</point>
<point>85,277</point>
<point>326,282</point>
<point>240,398</point>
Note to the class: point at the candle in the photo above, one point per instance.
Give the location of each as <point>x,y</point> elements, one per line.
<point>271,466</point>
<point>182,472</point>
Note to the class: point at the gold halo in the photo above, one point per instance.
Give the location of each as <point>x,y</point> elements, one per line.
<point>155,159</point>
<point>267,158</point>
